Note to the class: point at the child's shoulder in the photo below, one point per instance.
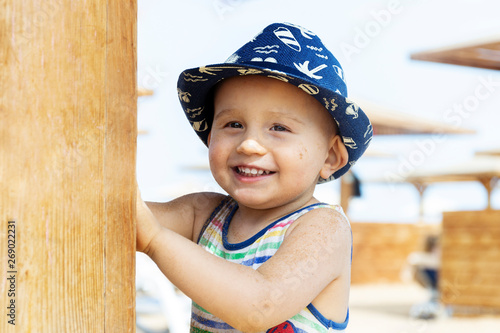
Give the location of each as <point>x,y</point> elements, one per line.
<point>204,204</point>
<point>326,217</point>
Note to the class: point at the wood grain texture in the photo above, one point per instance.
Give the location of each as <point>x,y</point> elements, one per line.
<point>471,259</point>
<point>67,152</point>
<point>381,250</point>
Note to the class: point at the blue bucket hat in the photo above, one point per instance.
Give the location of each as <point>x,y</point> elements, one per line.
<point>292,54</point>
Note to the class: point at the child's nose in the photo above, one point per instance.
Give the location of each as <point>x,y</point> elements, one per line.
<point>251,146</point>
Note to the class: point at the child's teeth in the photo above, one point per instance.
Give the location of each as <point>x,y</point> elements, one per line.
<point>253,172</point>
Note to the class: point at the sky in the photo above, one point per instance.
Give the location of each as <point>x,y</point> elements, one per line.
<point>373,41</point>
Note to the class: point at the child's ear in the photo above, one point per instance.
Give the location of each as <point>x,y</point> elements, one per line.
<point>208,139</point>
<point>336,159</point>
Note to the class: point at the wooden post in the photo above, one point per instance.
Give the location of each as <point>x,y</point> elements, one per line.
<point>67,165</point>
<point>421,187</point>
<point>489,183</point>
<point>346,190</point>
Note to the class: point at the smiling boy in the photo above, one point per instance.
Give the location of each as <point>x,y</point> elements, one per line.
<point>268,256</point>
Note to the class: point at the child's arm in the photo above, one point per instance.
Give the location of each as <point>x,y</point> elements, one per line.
<point>316,252</point>
<point>184,215</point>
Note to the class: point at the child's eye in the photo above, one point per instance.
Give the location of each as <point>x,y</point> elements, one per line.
<point>234,124</point>
<point>279,128</point>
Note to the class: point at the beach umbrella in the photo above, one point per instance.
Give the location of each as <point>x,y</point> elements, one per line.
<point>481,168</point>
<point>485,54</point>
<point>387,121</point>
<point>489,152</point>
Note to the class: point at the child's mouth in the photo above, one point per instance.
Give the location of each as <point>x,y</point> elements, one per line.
<point>251,172</point>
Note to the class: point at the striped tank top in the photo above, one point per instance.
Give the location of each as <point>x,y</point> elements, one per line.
<point>254,252</point>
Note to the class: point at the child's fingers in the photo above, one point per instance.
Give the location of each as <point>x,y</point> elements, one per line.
<point>147,225</point>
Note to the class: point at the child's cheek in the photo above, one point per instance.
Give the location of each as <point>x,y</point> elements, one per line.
<point>302,152</point>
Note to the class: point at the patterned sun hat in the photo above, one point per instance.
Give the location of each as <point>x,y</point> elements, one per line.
<point>292,54</point>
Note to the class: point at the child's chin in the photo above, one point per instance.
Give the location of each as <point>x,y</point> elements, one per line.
<point>252,199</point>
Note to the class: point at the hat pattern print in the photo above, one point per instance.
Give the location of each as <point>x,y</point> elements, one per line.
<point>292,54</point>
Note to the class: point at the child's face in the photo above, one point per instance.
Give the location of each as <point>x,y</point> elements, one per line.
<point>269,141</point>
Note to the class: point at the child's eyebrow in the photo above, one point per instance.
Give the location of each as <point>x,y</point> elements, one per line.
<point>223,112</point>
<point>285,114</point>
<point>279,114</point>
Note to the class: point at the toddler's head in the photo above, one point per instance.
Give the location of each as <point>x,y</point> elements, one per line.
<point>292,55</point>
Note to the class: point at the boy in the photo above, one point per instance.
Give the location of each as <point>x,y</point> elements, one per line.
<point>268,257</point>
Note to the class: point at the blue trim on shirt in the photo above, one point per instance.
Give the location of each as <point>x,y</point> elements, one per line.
<point>211,323</point>
<point>251,240</point>
<point>327,322</point>
<point>256,260</point>
<point>212,216</point>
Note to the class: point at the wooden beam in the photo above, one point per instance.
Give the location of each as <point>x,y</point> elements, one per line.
<point>67,181</point>
<point>482,55</point>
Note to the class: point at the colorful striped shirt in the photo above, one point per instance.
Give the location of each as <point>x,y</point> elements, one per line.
<point>253,253</point>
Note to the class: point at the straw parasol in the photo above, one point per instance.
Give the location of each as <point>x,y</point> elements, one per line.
<point>479,54</point>
<point>386,121</point>
<point>482,168</point>
<point>490,152</point>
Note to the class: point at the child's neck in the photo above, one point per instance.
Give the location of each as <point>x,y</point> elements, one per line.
<point>247,222</point>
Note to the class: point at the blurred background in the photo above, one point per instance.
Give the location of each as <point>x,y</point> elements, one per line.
<point>433,161</point>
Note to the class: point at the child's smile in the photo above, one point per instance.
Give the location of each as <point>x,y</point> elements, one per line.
<point>252,172</point>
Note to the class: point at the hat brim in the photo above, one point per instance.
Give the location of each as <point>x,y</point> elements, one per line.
<point>195,86</point>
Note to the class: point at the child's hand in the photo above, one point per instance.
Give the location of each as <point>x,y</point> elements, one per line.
<point>147,225</point>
